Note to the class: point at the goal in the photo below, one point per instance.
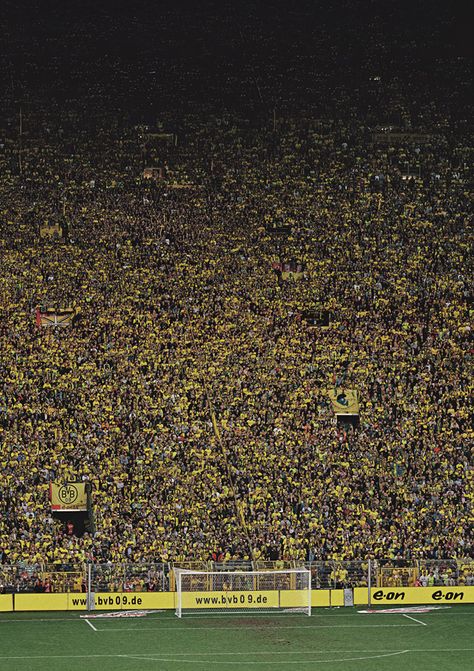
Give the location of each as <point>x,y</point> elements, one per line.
<point>233,592</point>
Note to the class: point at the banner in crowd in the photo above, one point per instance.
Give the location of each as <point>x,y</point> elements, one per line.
<point>153,173</point>
<point>344,401</point>
<point>166,138</point>
<point>52,316</point>
<point>292,270</point>
<point>51,231</point>
<point>68,496</point>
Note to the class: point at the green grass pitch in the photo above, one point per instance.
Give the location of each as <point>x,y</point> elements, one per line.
<point>337,639</point>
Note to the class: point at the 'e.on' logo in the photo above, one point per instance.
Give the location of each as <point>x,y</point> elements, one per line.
<point>67,494</point>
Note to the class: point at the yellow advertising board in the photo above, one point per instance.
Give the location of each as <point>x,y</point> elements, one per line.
<point>293,598</point>
<point>42,601</point>
<point>337,597</point>
<point>103,601</point>
<point>167,600</point>
<point>414,595</point>
<point>321,598</point>
<point>231,600</point>
<point>6,603</point>
<point>77,601</point>
<point>134,600</point>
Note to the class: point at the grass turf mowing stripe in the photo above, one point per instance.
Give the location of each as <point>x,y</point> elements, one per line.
<point>19,616</point>
<point>145,656</point>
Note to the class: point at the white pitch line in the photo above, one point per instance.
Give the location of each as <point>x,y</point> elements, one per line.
<point>173,660</point>
<point>320,652</point>
<point>252,626</point>
<point>414,619</point>
<point>90,625</point>
<point>145,655</point>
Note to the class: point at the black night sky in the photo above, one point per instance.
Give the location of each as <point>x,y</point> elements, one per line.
<point>145,55</point>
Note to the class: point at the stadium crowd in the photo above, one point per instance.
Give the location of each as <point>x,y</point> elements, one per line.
<point>180,307</point>
<point>191,391</point>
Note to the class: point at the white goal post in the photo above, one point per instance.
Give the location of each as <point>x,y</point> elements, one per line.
<point>232,592</point>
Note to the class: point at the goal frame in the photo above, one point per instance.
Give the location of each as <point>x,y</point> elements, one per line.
<point>307,590</point>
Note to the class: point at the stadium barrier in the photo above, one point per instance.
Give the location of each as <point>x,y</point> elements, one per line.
<point>99,601</point>
<point>413,595</point>
<point>159,600</point>
<point>6,603</point>
<point>128,586</point>
<point>321,598</point>
<point>58,601</point>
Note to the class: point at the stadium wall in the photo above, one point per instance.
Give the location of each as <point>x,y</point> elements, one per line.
<point>321,598</point>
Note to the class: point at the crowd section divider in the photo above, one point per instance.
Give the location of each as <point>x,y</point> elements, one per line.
<point>320,598</point>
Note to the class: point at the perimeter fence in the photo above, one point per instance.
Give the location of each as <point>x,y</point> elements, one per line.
<point>159,577</point>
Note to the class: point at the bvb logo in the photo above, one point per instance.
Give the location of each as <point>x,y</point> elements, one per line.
<point>67,494</point>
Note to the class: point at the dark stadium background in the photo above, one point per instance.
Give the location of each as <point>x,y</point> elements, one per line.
<point>62,47</point>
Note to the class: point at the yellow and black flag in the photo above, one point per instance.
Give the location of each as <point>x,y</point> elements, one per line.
<point>69,496</point>
<point>48,315</point>
<point>344,401</point>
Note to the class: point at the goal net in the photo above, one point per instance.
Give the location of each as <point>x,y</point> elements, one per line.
<point>232,592</point>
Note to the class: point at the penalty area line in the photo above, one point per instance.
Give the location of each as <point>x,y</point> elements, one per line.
<point>252,626</point>
<point>414,619</point>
